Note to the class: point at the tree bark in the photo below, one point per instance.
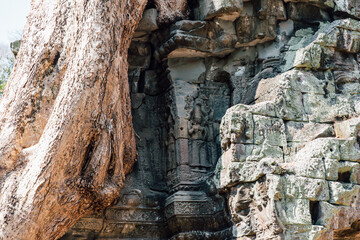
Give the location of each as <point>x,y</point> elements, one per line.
<point>171,10</point>
<point>66,137</point>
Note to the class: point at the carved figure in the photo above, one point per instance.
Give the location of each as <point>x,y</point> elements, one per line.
<point>171,163</point>
<point>198,134</point>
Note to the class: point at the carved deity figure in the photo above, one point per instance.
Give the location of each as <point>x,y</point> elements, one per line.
<point>171,163</point>
<point>198,133</point>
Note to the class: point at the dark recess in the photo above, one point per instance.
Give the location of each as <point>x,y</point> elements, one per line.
<point>344,176</point>
<point>314,211</point>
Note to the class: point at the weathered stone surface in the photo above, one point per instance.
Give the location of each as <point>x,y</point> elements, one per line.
<point>148,22</point>
<point>320,4</point>
<point>276,86</point>
<point>314,122</point>
<point>350,7</point>
<point>198,39</point>
<point>343,193</point>
<point>257,24</point>
<point>306,13</point>
<point>224,9</point>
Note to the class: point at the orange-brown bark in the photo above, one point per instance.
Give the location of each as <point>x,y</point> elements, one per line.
<point>66,137</point>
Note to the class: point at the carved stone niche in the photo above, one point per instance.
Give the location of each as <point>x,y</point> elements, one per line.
<point>197,105</point>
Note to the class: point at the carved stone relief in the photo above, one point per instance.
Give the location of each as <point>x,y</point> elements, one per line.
<point>246,116</point>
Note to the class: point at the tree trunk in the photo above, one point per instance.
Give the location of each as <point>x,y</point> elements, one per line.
<point>171,10</point>
<point>66,137</point>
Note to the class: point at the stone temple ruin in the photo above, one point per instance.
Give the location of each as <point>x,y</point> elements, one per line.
<point>247,122</point>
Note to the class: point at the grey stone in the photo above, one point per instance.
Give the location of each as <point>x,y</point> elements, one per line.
<point>296,187</point>
<point>347,6</point>
<point>151,83</point>
<point>343,193</point>
<point>148,22</point>
<point>15,47</point>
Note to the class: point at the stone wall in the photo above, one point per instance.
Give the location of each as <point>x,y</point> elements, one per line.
<point>246,116</point>
<point>290,160</point>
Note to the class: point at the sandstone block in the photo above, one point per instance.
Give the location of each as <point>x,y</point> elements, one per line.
<point>296,187</point>
<point>343,193</point>
<point>148,22</point>
<point>224,9</point>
